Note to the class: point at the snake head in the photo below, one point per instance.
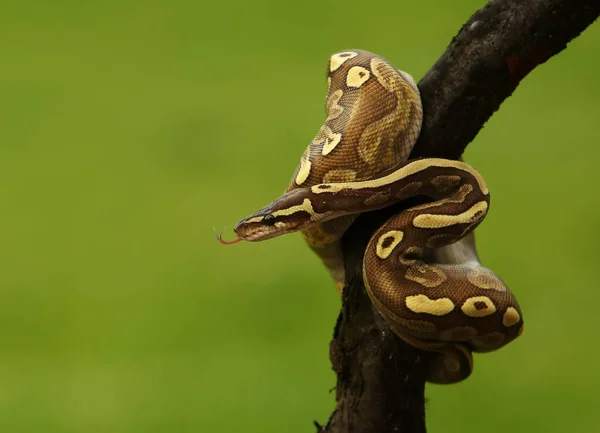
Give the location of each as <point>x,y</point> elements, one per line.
<point>290,213</point>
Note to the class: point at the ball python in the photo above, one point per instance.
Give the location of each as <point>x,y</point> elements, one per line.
<point>420,267</point>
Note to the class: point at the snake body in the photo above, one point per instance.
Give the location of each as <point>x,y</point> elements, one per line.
<point>420,268</point>
<point>373,120</point>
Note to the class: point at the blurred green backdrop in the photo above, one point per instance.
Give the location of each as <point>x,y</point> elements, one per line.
<point>129,128</point>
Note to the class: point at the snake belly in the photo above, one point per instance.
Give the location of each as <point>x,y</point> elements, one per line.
<point>357,163</point>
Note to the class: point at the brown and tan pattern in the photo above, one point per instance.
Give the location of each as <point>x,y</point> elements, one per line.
<point>425,275</point>
<point>356,163</point>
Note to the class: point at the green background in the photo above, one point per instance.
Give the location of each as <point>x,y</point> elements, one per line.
<point>129,128</point>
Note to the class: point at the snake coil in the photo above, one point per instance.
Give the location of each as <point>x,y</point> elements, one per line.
<point>420,267</point>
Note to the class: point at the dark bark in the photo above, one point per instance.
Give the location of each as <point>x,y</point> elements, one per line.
<point>381,379</point>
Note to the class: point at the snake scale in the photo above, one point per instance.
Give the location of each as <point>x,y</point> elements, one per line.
<point>420,267</point>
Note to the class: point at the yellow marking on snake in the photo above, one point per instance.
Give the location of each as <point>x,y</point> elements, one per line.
<point>425,275</point>
<point>304,170</point>
<point>323,187</point>
<point>511,317</point>
<point>377,141</point>
<point>369,143</point>
<point>339,175</point>
<point>378,198</point>
<point>357,76</point>
<point>387,242</point>
<point>386,75</point>
<point>430,221</point>
<point>478,306</point>
<point>306,206</point>
<point>408,190</point>
<point>339,59</point>
<point>257,219</point>
<point>405,171</point>
<point>435,307</point>
<point>459,197</point>
<point>333,108</point>
<point>330,143</point>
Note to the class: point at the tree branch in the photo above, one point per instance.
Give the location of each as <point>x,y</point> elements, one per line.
<point>381,379</point>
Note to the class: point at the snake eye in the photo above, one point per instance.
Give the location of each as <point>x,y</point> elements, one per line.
<point>269,220</point>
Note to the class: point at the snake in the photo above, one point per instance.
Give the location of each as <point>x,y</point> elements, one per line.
<point>420,268</point>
